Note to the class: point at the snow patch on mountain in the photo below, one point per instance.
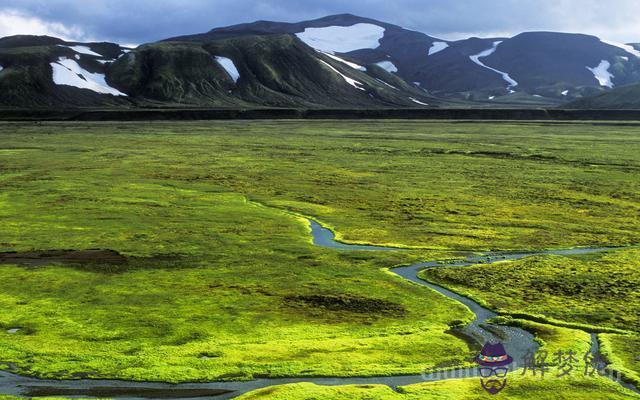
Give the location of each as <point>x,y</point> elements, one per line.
<point>602,74</point>
<point>418,101</point>
<point>350,81</point>
<point>437,47</point>
<point>476,59</point>
<point>343,39</point>
<point>68,72</point>
<point>229,66</point>
<point>342,60</point>
<point>385,83</point>
<point>626,47</point>
<point>387,66</point>
<point>82,50</point>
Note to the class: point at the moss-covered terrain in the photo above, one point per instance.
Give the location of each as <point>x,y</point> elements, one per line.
<point>600,289</point>
<point>215,275</point>
<point>623,352</point>
<point>246,296</point>
<point>597,292</point>
<point>468,389</point>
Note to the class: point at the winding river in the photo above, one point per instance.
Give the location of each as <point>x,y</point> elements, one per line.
<point>518,343</point>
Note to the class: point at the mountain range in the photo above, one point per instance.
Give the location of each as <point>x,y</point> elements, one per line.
<point>340,61</point>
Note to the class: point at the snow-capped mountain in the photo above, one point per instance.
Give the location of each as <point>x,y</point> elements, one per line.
<point>363,40</point>
<point>275,70</point>
<point>46,71</point>
<point>556,66</point>
<point>336,61</point>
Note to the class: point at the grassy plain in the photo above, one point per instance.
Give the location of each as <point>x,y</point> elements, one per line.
<point>436,185</point>
<point>243,298</point>
<point>243,293</point>
<point>600,290</point>
<point>623,352</point>
<point>597,289</point>
<point>469,389</point>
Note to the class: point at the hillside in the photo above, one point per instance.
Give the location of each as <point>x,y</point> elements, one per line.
<point>244,71</point>
<point>543,67</point>
<point>339,61</point>
<point>46,71</point>
<point>625,97</point>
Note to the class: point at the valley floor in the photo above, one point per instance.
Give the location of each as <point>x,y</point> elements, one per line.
<point>211,273</point>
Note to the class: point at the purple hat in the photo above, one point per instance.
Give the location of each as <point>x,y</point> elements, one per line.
<point>494,355</point>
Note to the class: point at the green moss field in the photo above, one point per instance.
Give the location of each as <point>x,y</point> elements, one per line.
<point>219,278</point>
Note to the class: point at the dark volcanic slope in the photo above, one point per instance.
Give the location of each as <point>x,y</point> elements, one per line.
<point>543,59</point>
<point>623,98</point>
<point>452,70</point>
<point>271,27</point>
<point>26,78</point>
<point>274,70</point>
<point>340,61</point>
<point>173,73</point>
<point>406,49</point>
<point>551,65</point>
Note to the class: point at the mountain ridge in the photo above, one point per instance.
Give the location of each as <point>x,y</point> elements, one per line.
<point>340,60</point>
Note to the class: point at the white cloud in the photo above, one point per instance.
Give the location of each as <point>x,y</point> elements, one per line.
<point>145,20</point>
<point>453,20</point>
<point>13,22</point>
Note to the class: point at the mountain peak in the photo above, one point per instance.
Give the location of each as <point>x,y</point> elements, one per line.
<point>340,59</point>
<point>345,19</point>
<point>29,40</point>
<point>264,27</point>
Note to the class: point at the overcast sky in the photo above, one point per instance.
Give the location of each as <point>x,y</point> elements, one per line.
<point>139,21</point>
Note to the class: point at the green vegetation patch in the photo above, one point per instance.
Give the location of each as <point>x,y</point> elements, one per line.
<point>219,287</point>
<point>467,389</point>
<point>205,292</point>
<point>439,185</point>
<point>623,352</point>
<point>598,289</point>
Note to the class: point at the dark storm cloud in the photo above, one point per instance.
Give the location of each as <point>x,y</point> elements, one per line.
<point>140,21</point>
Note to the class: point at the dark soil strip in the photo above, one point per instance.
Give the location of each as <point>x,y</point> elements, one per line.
<point>46,257</point>
<point>98,260</point>
<point>186,114</point>
<point>123,392</point>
